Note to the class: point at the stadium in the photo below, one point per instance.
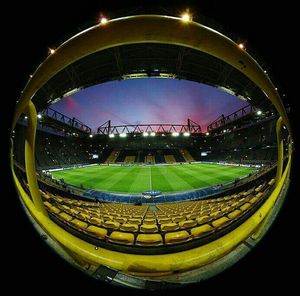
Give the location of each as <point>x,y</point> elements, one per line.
<point>138,204</point>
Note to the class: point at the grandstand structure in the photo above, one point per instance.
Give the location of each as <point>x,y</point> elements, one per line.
<point>151,238</point>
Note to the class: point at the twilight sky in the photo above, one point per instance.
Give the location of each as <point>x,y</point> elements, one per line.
<point>149,100</point>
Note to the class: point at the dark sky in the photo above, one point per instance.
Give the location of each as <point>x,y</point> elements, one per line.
<point>149,100</point>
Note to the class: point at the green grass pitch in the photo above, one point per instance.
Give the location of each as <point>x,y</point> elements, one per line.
<point>136,179</point>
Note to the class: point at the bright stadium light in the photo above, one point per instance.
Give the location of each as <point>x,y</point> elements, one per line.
<point>186,134</point>
<point>152,134</point>
<point>207,133</point>
<point>224,131</point>
<point>111,135</point>
<point>91,136</point>
<point>123,135</point>
<point>175,134</point>
<point>103,20</point>
<point>259,112</point>
<point>241,45</point>
<point>145,134</point>
<point>39,116</point>
<point>51,51</point>
<point>186,17</point>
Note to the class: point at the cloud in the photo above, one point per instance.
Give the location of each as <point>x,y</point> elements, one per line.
<point>70,104</point>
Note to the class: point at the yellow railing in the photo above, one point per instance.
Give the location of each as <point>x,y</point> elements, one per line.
<point>142,29</point>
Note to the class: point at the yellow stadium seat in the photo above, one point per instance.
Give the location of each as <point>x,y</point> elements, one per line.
<point>149,221</point>
<point>201,230</point>
<point>74,212</point>
<point>225,209</point>
<point>164,220</point>
<point>149,240</point>
<point>245,207</point>
<point>97,231</point>
<point>235,204</point>
<point>259,194</point>
<point>220,222</point>
<point>205,212</point>
<point>96,221</point>
<point>58,199</point>
<point>47,204</point>
<point>192,216</point>
<point>111,224</point>
<point>215,214</point>
<point>271,182</point>
<point>177,237</point>
<point>169,227</point>
<point>123,238</point>
<point>148,228</point>
<point>46,196</point>
<point>127,216</point>
<point>178,219</point>
<point>137,217</point>
<point>83,216</point>
<point>253,200</point>
<point>187,224</point>
<point>65,216</point>
<point>77,202</point>
<point>120,219</point>
<point>54,210</point>
<point>203,219</point>
<point>78,224</point>
<point>108,217</point>
<point>134,221</point>
<point>234,214</point>
<point>129,227</point>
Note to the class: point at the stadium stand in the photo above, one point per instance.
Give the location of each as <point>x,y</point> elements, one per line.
<point>186,155</point>
<point>162,225</point>
<point>129,159</point>
<point>149,159</point>
<point>170,158</point>
<point>113,156</point>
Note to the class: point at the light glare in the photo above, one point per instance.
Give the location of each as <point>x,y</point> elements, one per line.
<point>186,17</point>
<point>103,20</point>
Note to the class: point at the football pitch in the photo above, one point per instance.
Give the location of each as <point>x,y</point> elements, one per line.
<point>137,179</point>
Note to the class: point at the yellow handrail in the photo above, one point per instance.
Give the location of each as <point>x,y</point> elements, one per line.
<point>143,29</point>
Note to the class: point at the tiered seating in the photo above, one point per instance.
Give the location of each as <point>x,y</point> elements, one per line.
<point>186,155</point>
<point>113,156</point>
<point>167,224</point>
<point>129,159</point>
<point>170,159</point>
<point>149,159</point>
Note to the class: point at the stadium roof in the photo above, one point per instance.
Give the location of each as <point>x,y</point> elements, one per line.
<point>149,60</point>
